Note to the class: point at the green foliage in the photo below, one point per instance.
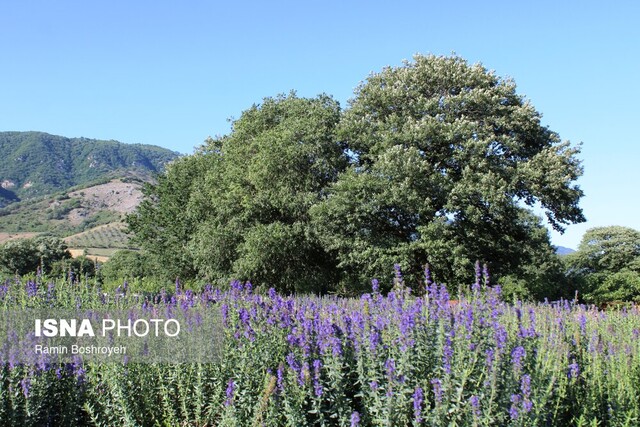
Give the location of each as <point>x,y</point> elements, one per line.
<point>240,206</point>
<point>606,265</point>
<point>126,265</point>
<point>432,162</point>
<point>79,267</point>
<point>163,222</point>
<point>623,285</point>
<point>446,153</point>
<point>24,256</point>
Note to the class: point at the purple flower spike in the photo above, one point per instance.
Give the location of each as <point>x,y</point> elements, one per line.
<point>375,286</point>
<point>355,419</point>
<point>427,276</point>
<point>574,370</point>
<point>475,406</point>
<point>476,285</point>
<point>317,387</point>
<point>418,397</point>
<point>513,411</point>
<point>485,273</point>
<point>437,389</point>
<point>231,386</point>
<point>517,355</point>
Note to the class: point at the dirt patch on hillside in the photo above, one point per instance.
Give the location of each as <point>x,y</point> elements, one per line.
<point>118,196</point>
<point>75,253</point>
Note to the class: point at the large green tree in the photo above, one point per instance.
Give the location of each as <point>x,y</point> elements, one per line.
<point>446,156</point>
<point>239,208</point>
<point>434,161</point>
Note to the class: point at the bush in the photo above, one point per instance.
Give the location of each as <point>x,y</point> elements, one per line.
<point>126,265</point>
<point>621,286</point>
<point>78,267</point>
<point>23,256</point>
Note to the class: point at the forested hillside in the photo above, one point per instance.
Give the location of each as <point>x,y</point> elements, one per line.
<point>36,163</point>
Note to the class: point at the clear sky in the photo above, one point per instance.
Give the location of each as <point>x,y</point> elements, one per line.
<point>172,73</point>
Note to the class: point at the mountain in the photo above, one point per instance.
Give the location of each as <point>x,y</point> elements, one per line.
<point>36,164</point>
<point>561,250</point>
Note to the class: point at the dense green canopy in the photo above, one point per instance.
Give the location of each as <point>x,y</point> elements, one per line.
<point>607,264</point>
<point>433,161</point>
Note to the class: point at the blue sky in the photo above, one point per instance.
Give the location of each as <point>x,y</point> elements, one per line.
<point>173,73</point>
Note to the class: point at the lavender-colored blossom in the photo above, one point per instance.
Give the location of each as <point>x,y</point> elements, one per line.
<point>437,389</point>
<point>375,286</point>
<point>583,324</point>
<point>32,288</point>
<point>25,384</point>
<point>517,355</point>
<point>390,367</point>
<point>476,285</point>
<point>225,314</point>
<point>487,276</point>
<point>475,406</point>
<point>525,388</point>
<point>500,335</point>
<point>374,339</point>
<point>303,376</point>
<point>244,316</point>
<point>317,387</point>
<point>4,288</point>
<point>293,363</point>
<point>418,397</point>
<point>51,289</point>
<point>574,370</point>
<point>427,276</point>
<point>231,386</point>
<point>398,271</point>
<point>513,411</point>
<point>355,419</point>
<point>280,377</point>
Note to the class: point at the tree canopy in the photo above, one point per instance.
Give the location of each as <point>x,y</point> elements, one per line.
<point>447,155</point>
<point>240,206</point>
<point>433,161</point>
<point>25,256</point>
<point>607,263</point>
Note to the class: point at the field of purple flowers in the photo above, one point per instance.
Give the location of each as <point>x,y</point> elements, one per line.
<point>378,360</point>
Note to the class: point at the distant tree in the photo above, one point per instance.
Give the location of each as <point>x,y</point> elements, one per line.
<point>127,265</point>
<point>23,256</point>
<point>607,264</point>
<point>76,268</point>
<point>446,154</point>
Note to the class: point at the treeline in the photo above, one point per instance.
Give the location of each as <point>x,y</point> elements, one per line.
<point>604,270</point>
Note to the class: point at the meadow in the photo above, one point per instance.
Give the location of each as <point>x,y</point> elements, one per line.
<point>405,358</point>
